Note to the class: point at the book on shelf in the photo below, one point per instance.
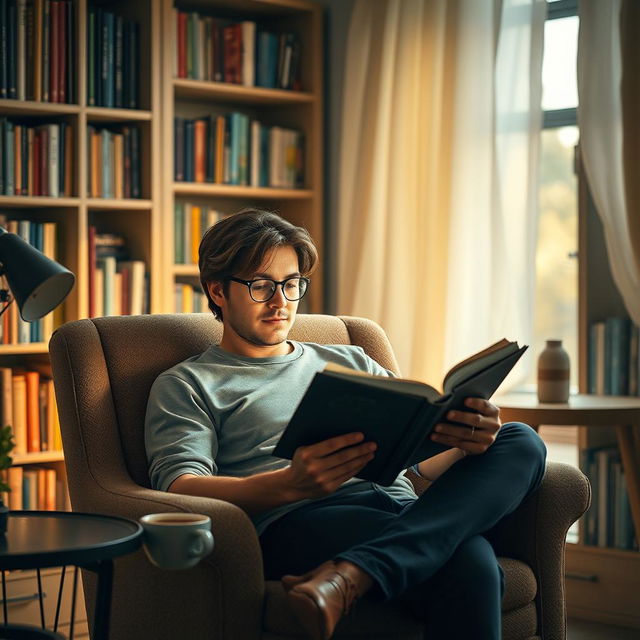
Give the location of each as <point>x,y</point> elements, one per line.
<point>113,162</point>
<point>189,299</point>
<point>36,488</point>
<point>113,71</point>
<point>37,159</point>
<point>234,149</point>
<point>217,49</point>
<point>36,50</point>
<point>613,358</point>
<point>118,284</point>
<point>191,221</point>
<point>397,414</point>
<point>608,522</point>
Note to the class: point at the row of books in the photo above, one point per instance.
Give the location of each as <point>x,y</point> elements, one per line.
<point>13,329</point>
<point>114,162</point>
<point>608,522</point>
<point>189,299</point>
<point>118,285</point>
<point>190,223</point>
<point>40,488</point>
<point>113,63</point>
<point>29,408</point>
<point>233,149</point>
<point>214,49</point>
<point>614,357</point>
<point>35,160</point>
<point>37,52</point>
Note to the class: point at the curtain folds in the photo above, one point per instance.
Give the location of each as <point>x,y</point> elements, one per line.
<point>608,54</point>
<point>438,161</point>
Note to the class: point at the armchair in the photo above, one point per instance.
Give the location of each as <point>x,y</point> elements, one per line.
<point>103,369</point>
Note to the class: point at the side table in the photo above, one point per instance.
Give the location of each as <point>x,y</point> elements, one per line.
<point>619,412</point>
<point>42,539</point>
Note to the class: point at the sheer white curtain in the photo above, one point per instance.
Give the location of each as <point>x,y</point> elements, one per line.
<point>437,208</point>
<point>600,116</point>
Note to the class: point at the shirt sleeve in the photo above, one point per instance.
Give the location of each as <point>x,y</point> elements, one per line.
<point>180,436</point>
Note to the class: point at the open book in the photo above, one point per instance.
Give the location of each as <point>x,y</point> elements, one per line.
<point>395,413</point>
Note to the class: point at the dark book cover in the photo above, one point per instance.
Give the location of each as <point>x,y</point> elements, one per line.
<point>108,77</point>
<point>62,150</point>
<point>398,418</point>
<point>30,49</point>
<point>211,148</point>
<point>62,50</point>
<point>24,159</point>
<point>54,50</point>
<point>11,49</point>
<point>91,57</point>
<point>189,173</point>
<point>4,51</point>
<point>178,149</point>
<point>127,161</point>
<point>46,44</point>
<point>118,63</point>
<point>68,52</point>
<point>133,101</point>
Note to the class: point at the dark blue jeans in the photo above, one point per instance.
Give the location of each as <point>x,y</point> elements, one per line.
<point>428,552</point>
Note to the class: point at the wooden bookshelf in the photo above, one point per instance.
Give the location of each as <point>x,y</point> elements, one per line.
<point>300,109</point>
<point>138,219</point>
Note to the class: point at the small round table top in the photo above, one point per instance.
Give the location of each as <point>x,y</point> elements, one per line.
<point>39,539</point>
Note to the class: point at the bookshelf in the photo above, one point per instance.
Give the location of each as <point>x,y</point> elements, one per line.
<point>299,109</point>
<point>136,218</point>
<point>602,581</point>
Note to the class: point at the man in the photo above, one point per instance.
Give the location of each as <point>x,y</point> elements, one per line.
<point>213,421</point>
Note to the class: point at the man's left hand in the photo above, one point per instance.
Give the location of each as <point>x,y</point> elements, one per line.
<point>480,433</point>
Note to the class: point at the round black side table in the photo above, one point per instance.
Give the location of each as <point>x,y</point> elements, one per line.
<point>42,539</point>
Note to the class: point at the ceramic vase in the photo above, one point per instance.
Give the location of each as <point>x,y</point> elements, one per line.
<point>553,373</point>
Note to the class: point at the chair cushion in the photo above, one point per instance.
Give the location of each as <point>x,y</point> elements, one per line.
<point>370,620</point>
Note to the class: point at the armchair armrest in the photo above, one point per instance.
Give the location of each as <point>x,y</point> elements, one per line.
<point>535,533</point>
<point>221,597</point>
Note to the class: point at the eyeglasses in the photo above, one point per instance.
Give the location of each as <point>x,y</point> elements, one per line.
<point>263,289</point>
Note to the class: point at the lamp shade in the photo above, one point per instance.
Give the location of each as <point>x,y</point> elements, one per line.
<point>38,283</point>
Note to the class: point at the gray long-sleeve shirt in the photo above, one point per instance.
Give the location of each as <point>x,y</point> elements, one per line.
<point>222,414</point>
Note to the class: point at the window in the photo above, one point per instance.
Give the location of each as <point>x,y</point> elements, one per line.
<point>556,314</point>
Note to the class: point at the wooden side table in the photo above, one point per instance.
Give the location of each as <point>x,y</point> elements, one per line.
<point>621,413</point>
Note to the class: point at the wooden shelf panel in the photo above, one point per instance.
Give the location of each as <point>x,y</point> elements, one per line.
<point>234,191</point>
<point>227,92</point>
<point>104,114</point>
<point>23,349</point>
<point>38,458</point>
<point>21,108</point>
<point>37,201</point>
<point>186,270</point>
<point>111,203</point>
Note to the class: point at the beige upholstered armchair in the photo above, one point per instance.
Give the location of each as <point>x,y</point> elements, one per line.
<point>103,369</point>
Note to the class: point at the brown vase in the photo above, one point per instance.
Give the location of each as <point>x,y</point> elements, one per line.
<point>553,373</point>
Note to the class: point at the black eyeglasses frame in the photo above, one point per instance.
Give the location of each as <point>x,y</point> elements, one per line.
<point>248,284</point>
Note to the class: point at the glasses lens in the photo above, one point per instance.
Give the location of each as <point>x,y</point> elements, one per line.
<point>262,290</point>
<point>294,288</point>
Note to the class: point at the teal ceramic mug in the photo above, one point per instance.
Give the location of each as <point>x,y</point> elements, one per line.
<point>176,540</point>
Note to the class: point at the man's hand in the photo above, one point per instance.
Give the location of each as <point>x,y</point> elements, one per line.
<point>480,433</point>
<point>319,469</point>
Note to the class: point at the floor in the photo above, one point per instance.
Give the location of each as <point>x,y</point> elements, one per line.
<point>587,630</point>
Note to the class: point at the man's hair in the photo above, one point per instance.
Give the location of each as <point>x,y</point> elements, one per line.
<point>239,243</point>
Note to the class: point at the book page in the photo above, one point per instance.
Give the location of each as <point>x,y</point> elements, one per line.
<point>477,362</point>
<point>401,385</point>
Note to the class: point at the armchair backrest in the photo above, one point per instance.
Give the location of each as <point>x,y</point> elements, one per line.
<point>103,369</point>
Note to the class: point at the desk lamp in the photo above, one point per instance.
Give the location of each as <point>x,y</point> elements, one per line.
<point>38,284</point>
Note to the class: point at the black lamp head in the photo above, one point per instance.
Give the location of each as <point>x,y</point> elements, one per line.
<point>38,283</point>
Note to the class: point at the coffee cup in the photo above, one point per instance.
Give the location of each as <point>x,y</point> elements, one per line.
<point>176,540</point>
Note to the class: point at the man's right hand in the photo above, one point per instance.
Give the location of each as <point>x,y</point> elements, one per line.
<point>319,469</point>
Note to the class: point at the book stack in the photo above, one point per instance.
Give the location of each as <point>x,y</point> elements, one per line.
<point>35,160</point>
<point>190,223</point>
<point>190,299</point>
<point>29,408</point>
<point>118,285</point>
<point>220,50</point>
<point>40,488</point>
<point>233,149</point>
<point>13,329</point>
<point>614,358</point>
<point>608,522</point>
<point>112,60</point>
<point>37,54</point>
<point>114,162</point>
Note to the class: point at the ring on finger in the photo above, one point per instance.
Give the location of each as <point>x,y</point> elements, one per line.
<point>473,430</point>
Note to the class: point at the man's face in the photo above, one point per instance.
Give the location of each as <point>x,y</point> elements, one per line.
<point>258,329</point>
